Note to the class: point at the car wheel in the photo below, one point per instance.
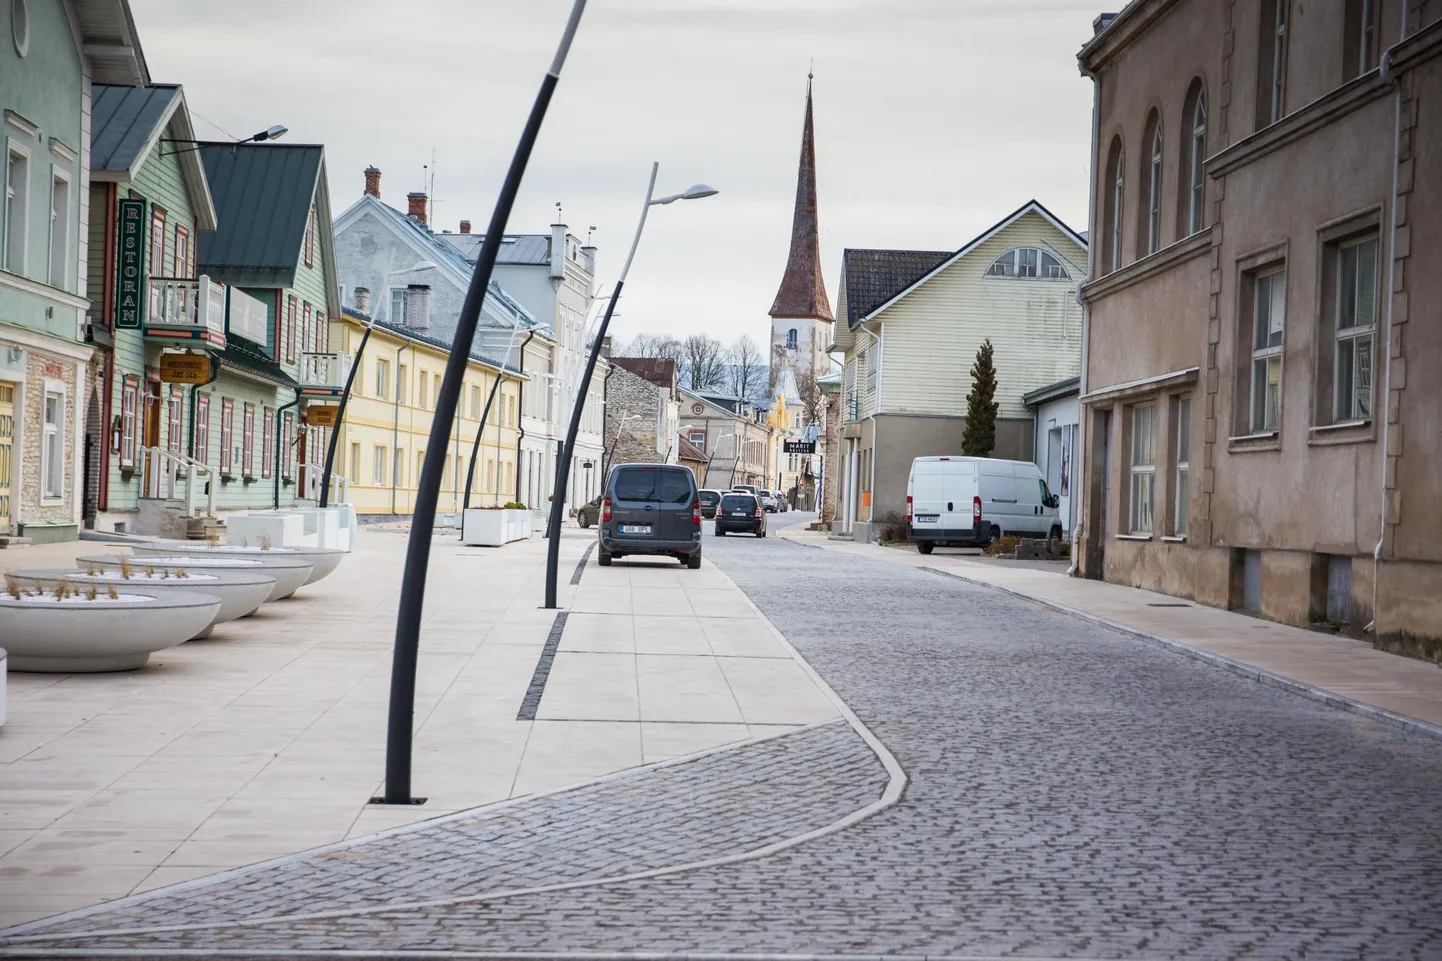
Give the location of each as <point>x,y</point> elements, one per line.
<point>760,533</point>
<point>694,561</point>
<point>603,558</point>
<point>925,547</point>
<point>1055,533</point>
<point>994,535</point>
<point>584,521</point>
<point>720,532</point>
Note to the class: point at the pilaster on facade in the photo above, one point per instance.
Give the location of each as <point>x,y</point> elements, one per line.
<point>1400,311</point>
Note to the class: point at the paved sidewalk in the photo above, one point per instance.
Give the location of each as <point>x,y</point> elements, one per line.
<point>268,738</point>
<point>1342,671</point>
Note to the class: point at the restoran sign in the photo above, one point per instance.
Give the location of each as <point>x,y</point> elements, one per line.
<point>130,266</point>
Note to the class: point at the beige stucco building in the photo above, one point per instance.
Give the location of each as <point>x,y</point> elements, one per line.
<point>1259,417</point>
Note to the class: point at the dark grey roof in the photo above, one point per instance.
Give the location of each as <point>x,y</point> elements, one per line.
<point>124,119</point>
<point>263,194</point>
<point>1062,388</point>
<point>515,248</point>
<point>424,338</point>
<point>873,277</point>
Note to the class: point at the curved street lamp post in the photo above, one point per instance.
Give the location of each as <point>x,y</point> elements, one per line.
<point>553,549</point>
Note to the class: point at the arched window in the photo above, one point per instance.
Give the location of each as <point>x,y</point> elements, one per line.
<point>1112,222</point>
<point>791,338</point>
<point>1149,222</point>
<point>1028,262</point>
<point>1192,183</point>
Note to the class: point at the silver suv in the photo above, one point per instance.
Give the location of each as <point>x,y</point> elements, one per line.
<point>650,509</point>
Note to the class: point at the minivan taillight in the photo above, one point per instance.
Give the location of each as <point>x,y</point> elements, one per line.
<point>695,512</point>
<point>908,508</point>
<point>976,508</point>
<point>606,509</point>
<point>758,512</point>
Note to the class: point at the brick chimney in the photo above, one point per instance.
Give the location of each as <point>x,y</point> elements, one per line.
<point>363,300</point>
<point>416,201</point>
<point>373,182</point>
<point>416,306</point>
<point>465,226</point>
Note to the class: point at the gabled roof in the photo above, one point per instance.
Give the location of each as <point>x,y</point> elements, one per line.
<point>872,277</point>
<point>263,193</point>
<point>1031,206</point>
<point>401,330</point>
<point>531,249</point>
<point>685,450</point>
<point>127,125</point>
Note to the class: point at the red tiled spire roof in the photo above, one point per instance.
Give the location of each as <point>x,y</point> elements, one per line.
<point>803,291</point>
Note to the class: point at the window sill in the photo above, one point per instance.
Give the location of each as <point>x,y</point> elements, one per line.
<point>52,501</point>
<point>226,477</point>
<point>1174,538</point>
<point>1345,432</point>
<point>1132,537</point>
<point>1247,443</point>
<point>249,478</point>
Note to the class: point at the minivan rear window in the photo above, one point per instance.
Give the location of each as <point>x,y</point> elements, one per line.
<point>708,497</point>
<point>666,485</point>
<point>738,502</point>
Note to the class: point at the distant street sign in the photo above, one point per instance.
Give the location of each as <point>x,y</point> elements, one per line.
<point>185,368</point>
<point>798,447</point>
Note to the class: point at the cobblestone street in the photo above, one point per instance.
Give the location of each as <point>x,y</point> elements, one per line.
<point>1071,792</point>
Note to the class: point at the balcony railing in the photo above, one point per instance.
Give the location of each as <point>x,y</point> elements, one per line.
<point>191,312</point>
<point>323,375</point>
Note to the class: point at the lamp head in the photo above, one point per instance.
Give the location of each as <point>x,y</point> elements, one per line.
<point>697,191</point>
<point>271,133</point>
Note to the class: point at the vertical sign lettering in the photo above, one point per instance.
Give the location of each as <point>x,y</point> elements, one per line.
<point>130,266</point>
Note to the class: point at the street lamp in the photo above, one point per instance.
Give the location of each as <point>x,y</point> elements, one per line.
<point>400,721</point>
<point>481,428</point>
<point>324,501</point>
<point>553,550</point>
<point>274,132</point>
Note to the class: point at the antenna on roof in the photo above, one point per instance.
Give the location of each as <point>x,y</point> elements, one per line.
<point>558,212</point>
<point>589,231</point>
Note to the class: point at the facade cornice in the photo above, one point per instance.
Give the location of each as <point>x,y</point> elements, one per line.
<point>39,289</point>
<point>1146,385</point>
<point>1149,266</point>
<point>1319,113</point>
<point>1420,47</point>
<point>1128,25</point>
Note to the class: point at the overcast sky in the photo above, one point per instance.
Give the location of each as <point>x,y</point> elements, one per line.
<point>934,118</point>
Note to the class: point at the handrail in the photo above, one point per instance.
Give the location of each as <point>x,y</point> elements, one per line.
<point>164,466</point>
<point>340,487</point>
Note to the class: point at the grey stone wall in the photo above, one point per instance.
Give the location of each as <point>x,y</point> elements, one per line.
<point>631,441</point>
<point>40,367</point>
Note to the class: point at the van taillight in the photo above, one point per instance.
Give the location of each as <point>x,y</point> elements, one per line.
<point>606,509</point>
<point>976,508</point>
<point>908,508</point>
<point>695,512</point>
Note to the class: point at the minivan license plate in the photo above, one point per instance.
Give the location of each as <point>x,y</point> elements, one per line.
<point>927,518</point>
<point>635,528</point>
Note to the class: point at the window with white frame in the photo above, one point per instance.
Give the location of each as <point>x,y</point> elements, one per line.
<point>383,378</point>
<point>423,390</point>
<point>247,441</point>
<point>174,420</point>
<point>1142,491</point>
<point>1154,188</point>
<point>129,404</point>
<point>1181,462</point>
<point>1356,323</point>
<point>227,435</point>
<point>52,466</point>
<point>17,208</point>
<point>398,305</point>
<point>1028,262</point>
<point>791,338</point>
<point>1272,62</point>
<point>59,275</point>
<point>201,428</point>
<point>378,466</point>
<point>1198,158</point>
<point>267,441</point>
<point>155,264</point>
<point>698,440</point>
<point>355,462</point>
<point>1269,313</point>
<point>1116,196</point>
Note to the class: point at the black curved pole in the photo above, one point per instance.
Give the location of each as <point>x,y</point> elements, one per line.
<point>476,447</point>
<point>401,720</point>
<point>340,419</point>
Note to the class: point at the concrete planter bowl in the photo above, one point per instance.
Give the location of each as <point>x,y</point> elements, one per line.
<point>76,635</point>
<point>288,573</point>
<point>323,560</point>
<point>241,592</point>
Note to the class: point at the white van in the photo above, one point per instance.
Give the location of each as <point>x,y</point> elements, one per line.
<point>971,501</point>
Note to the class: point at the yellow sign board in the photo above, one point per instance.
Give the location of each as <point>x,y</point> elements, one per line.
<point>184,368</point>
<point>321,416</point>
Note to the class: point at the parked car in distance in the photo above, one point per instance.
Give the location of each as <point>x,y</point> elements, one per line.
<point>971,501</point>
<point>650,509</point>
<point>751,489</point>
<point>740,513</point>
<point>782,504</point>
<point>589,514</point>
<point>769,502</point>
<point>710,500</point>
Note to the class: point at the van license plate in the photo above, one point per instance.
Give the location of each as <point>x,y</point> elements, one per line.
<point>927,518</point>
<point>635,528</point>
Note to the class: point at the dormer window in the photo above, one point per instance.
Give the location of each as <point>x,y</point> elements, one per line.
<point>1028,262</point>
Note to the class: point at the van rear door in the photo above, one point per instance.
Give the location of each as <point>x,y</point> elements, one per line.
<point>960,489</point>
<point>928,493</point>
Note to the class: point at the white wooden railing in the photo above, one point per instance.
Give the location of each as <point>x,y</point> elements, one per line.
<point>339,486</point>
<point>163,470</point>
<point>324,370</point>
<point>188,304</point>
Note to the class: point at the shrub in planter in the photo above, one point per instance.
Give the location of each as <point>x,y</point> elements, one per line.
<point>892,528</point>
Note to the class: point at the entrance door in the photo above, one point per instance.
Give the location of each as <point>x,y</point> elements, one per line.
<point>151,438</point>
<point>7,447</point>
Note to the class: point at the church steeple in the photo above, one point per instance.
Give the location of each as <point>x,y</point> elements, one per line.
<point>803,291</point>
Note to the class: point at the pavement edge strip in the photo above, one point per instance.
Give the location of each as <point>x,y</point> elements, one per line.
<point>581,564</point>
<point>422,955</point>
<point>531,703</point>
<point>1261,675</point>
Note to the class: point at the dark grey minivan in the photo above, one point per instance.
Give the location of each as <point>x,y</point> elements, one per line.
<point>650,509</point>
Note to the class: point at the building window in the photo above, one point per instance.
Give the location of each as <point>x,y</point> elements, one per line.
<point>310,237</point>
<point>307,329</point>
<point>401,396</point>
<point>184,254</point>
<point>247,441</point>
<point>201,428</point>
<point>383,379</point>
<point>475,402</point>
<point>1116,183</point>
<point>287,445</point>
<point>423,389</point>
<point>290,308</point>
<point>129,401</point>
<point>1272,62</point>
<point>698,440</point>
<point>1144,468</point>
<point>20,26</point>
<point>791,338</point>
<point>1355,320</point>
<point>52,459</point>
<point>155,267</point>
<point>398,305</point>
<point>1359,51</point>
<point>1150,227</point>
<point>1027,262</point>
<point>378,466</point>
<point>398,468</point>
<point>1194,149</point>
<point>355,455</point>
<point>227,435</point>
<point>322,332</point>
<point>267,441</point>
<point>1181,461</point>
<point>1269,312</point>
<point>60,230</point>
<point>17,208</point>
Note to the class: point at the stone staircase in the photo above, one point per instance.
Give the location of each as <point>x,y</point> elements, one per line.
<point>165,517</point>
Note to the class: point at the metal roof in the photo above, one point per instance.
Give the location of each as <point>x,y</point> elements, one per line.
<point>410,333</point>
<point>533,249</point>
<point>263,194</point>
<point>872,277</point>
<point>685,450</point>
<point>1062,388</point>
<point>126,121</point>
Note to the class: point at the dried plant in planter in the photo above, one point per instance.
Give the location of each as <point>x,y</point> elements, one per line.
<point>149,571</point>
<point>111,592</point>
<point>12,587</point>
<point>180,572</point>
<point>62,590</point>
<point>91,593</point>
<point>125,569</point>
<point>264,542</point>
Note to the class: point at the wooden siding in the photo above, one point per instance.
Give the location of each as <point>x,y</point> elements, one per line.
<point>932,334</point>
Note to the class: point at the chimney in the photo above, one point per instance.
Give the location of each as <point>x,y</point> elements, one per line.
<point>373,182</point>
<point>363,300</point>
<point>588,258</point>
<point>465,226</point>
<point>416,306</point>
<point>417,206</point>
<point>558,251</point>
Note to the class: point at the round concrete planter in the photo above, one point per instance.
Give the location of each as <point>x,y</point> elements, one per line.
<point>240,591</point>
<point>80,636</point>
<point>289,573</point>
<point>323,560</point>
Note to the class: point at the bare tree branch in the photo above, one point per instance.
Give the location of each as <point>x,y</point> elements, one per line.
<point>703,358</point>
<point>748,368</point>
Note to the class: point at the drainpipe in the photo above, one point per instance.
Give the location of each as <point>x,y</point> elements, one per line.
<point>521,416</point>
<point>279,446</point>
<point>1385,70</point>
<point>1078,481</point>
<point>396,423</point>
<point>880,344</point>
